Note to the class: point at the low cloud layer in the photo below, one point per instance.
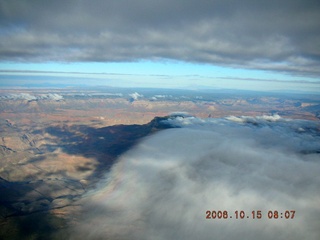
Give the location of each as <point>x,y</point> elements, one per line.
<point>29,97</point>
<point>269,35</point>
<point>162,188</point>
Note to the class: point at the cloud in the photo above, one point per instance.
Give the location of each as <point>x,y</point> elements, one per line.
<point>162,188</point>
<point>270,35</point>
<point>135,96</point>
<point>162,96</point>
<point>29,97</point>
<point>22,96</point>
<point>51,96</point>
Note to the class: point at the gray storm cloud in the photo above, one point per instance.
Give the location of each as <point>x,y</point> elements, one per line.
<point>162,188</point>
<point>270,35</point>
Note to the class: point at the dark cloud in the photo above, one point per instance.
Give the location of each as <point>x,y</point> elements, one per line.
<point>270,35</point>
<point>162,188</point>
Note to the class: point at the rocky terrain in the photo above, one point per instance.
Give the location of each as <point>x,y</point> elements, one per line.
<point>45,171</point>
<point>55,145</point>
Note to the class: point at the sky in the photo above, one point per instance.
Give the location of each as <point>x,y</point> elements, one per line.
<point>162,187</point>
<point>254,45</point>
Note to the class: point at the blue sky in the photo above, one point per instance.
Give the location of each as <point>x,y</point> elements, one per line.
<point>167,74</point>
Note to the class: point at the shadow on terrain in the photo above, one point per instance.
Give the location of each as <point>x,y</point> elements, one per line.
<point>35,226</point>
<point>25,205</point>
<point>102,144</point>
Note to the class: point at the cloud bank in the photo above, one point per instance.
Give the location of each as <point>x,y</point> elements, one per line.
<point>269,35</point>
<point>29,97</point>
<point>162,188</point>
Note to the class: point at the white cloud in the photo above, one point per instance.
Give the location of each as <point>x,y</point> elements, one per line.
<point>51,96</point>
<point>29,97</point>
<point>21,96</point>
<point>162,188</point>
<point>135,95</point>
<point>161,96</point>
